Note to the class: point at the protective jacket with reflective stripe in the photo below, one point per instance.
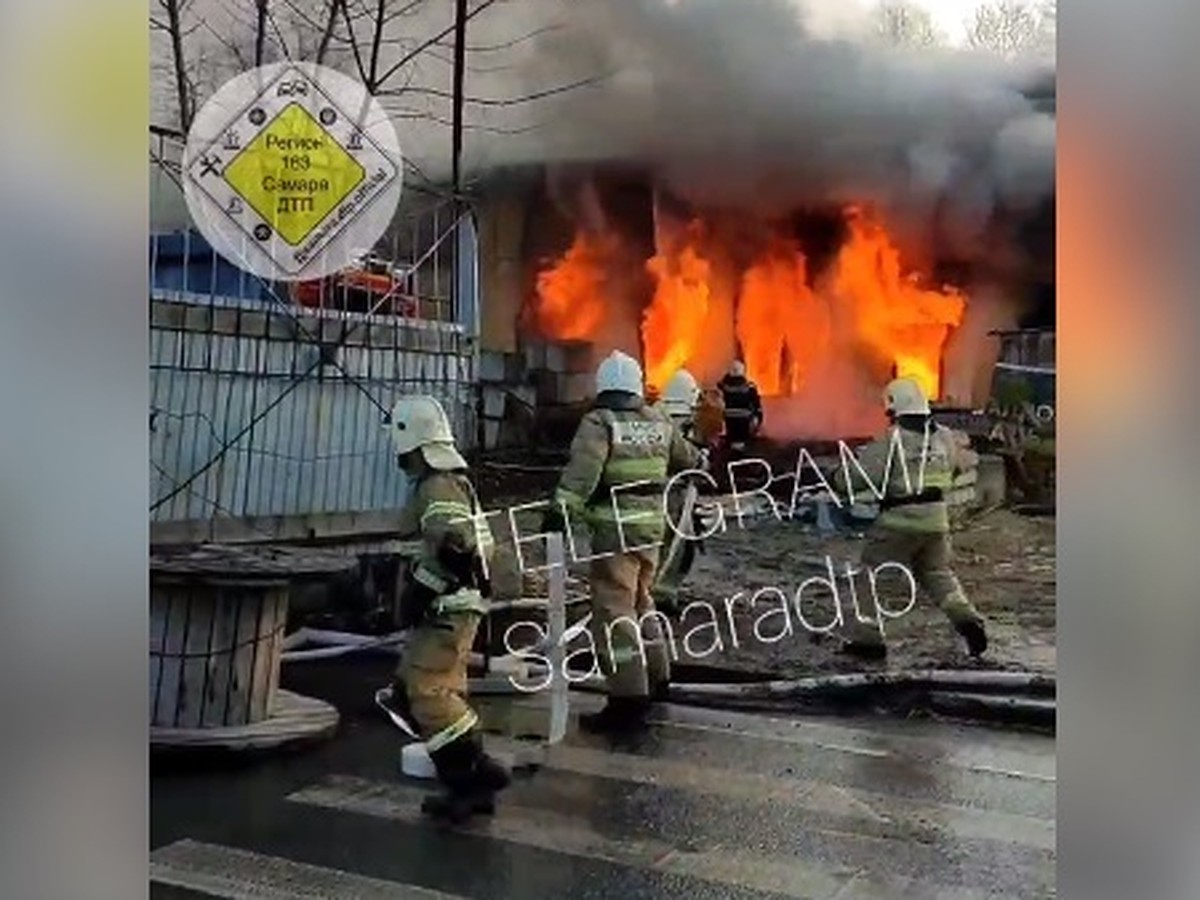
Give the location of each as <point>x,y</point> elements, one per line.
<point>621,457</point>
<point>444,502</point>
<point>918,506</point>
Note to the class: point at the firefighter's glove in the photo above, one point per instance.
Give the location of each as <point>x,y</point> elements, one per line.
<point>553,521</point>
<point>457,559</point>
<point>415,603</point>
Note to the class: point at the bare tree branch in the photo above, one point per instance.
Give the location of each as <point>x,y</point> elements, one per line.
<point>183,93</point>
<point>327,32</point>
<point>902,24</point>
<point>283,47</point>
<point>381,9</point>
<point>1008,28</point>
<point>508,45</point>
<point>358,60</point>
<point>407,58</point>
<point>499,101</point>
<point>260,30</point>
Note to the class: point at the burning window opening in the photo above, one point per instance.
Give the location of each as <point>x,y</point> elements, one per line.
<point>833,334</point>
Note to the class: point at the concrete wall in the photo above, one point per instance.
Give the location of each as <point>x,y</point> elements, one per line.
<point>500,219</point>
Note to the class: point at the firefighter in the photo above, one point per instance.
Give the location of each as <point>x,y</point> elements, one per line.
<point>681,399</point>
<point>913,529</point>
<point>443,603</point>
<point>621,456</point>
<point>743,406</point>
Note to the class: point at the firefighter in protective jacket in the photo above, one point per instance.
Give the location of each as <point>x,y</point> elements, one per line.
<point>913,527</point>
<point>681,399</point>
<point>443,603</point>
<point>621,456</point>
<point>743,406</point>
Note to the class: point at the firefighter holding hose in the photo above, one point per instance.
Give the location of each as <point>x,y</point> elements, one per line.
<point>621,456</point>
<point>913,527</point>
<point>443,603</point>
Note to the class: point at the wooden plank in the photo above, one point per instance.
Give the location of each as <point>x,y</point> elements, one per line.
<point>225,622</point>
<point>242,678</point>
<point>198,648</point>
<point>167,698</point>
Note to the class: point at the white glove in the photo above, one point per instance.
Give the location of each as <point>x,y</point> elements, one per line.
<point>703,465</point>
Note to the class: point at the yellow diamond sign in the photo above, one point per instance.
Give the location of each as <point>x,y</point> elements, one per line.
<point>292,170</point>
<point>294,173</point>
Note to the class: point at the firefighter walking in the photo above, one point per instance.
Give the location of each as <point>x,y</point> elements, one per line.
<point>681,400</point>
<point>443,603</point>
<point>621,456</point>
<point>913,528</point>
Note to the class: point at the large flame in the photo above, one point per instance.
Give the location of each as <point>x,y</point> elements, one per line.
<point>792,331</point>
<point>782,325</point>
<point>906,323</point>
<point>673,326</point>
<point>570,295</point>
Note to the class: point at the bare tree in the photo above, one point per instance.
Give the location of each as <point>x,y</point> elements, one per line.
<point>170,22</point>
<point>1008,28</point>
<point>1047,37</point>
<point>904,24</point>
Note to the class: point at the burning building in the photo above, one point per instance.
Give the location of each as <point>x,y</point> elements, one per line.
<point>831,214</point>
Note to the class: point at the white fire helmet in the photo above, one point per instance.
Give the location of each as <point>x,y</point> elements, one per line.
<point>420,422</point>
<point>737,369</point>
<point>619,372</point>
<point>905,397</point>
<point>681,394</point>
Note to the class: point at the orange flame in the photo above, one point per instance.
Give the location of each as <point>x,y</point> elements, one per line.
<point>906,323</point>
<point>673,326</point>
<point>782,325</point>
<point>570,304</point>
<point>786,328</point>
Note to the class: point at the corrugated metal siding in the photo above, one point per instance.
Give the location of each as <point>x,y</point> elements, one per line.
<point>320,449</point>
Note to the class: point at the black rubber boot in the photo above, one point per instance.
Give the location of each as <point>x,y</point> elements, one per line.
<point>861,650</point>
<point>976,637</point>
<point>660,692</point>
<point>620,715</point>
<point>456,763</point>
<point>489,778</point>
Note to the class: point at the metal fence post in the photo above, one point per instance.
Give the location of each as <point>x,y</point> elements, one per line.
<point>556,621</point>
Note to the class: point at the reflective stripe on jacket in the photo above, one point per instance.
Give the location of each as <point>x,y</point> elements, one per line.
<point>444,502</point>
<point>892,454</point>
<point>615,479</point>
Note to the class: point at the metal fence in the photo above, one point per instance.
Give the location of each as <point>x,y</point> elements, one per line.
<point>267,399</point>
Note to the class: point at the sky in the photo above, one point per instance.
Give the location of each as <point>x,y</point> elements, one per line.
<point>948,15</point>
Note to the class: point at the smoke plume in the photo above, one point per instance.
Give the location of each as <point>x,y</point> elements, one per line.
<point>746,104</point>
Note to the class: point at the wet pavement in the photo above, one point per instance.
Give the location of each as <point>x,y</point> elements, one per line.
<point>708,804</point>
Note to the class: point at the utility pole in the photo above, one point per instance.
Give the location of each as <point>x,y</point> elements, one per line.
<point>460,56</point>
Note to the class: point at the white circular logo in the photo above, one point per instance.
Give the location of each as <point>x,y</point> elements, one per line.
<point>291,170</point>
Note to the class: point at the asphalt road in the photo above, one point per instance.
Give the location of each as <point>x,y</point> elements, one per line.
<point>707,805</point>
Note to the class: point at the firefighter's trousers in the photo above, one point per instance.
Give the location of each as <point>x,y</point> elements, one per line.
<point>627,633</point>
<point>928,557</point>
<point>434,676</point>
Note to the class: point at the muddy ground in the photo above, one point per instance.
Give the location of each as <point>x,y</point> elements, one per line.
<point>1005,561</point>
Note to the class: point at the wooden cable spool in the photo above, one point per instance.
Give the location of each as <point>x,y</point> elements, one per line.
<point>217,622</point>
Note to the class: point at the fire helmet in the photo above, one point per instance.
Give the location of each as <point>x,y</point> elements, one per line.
<point>737,369</point>
<point>905,397</point>
<point>681,394</point>
<point>619,372</point>
<point>420,423</point>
